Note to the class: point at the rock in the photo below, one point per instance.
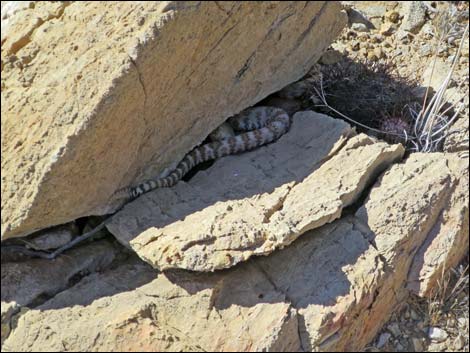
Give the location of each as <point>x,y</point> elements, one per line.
<point>404,206</point>
<point>394,329</point>
<point>355,45</point>
<point>417,344</point>
<point>447,242</point>
<point>364,38</point>
<point>437,334</point>
<point>290,106</point>
<point>427,31</point>
<point>331,57</point>
<point>414,315</point>
<point>133,308</point>
<point>403,37</point>
<point>425,49</point>
<point>115,93</point>
<point>376,38</point>
<point>355,17</point>
<point>276,194</point>
<point>379,52</point>
<point>53,238</point>
<point>276,303</point>
<point>34,281</point>
<point>437,347</point>
<point>392,16</point>
<point>459,140</point>
<point>414,16</point>
<point>459,342</point>
<point>363,52</point>
<point>383,339</point>
<point>360,27</point>
<point>463,322</point>
<point>436,77</point>
<point>387,29</point>
<point>331,290</point>
<point>371,56</point>
<point>373,11</point>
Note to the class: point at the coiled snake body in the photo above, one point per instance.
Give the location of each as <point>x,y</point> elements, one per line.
<point>259,126</point>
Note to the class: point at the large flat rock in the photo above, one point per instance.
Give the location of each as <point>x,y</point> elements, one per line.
<point>134,309</point>
<point>447,242</point>
<point>29,283</point>
<point>253,203</point>
<point>330,290</point>
<point>102,95</point>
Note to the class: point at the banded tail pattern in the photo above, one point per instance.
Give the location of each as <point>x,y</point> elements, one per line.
<point>259,126</point>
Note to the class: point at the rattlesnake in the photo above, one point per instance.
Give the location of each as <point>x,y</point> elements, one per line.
<point>259,126</point>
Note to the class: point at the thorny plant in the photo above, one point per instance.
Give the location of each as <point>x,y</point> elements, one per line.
<point>430,124</point>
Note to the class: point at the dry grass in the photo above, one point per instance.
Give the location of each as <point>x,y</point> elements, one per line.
<point>450,297</point>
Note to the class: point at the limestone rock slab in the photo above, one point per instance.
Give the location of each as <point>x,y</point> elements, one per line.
<point>447,242</point>
<point>253,203</point>
<point>330,290</point>
<point>28,283</point>
<point>135,309</point>
<point>102,95</point>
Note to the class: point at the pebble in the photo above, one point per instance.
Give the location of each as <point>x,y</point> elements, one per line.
<point>394,329</point>
<point>377,38</point>
<point>393,16</point>
<point>363,52</point>
<point>437,334</point>
<point>451,322</point>
<point>459,342</point>
<point>383,339</point>
<point>360,27</point>
<point>450,59</point>
<point>417,344</point>
<point>462,321</point>
<point>414,315</point>
<point>403,36</point>
<point>415,16</point>
<point>443,52</point>
<point>387,29</point>
<point>427,31</point>
<point>379,52</point>
<point>437,347</point>
<point>364,37</point>
<point>53,238</point>
<point>425,49</point>
<point>331,57</point>
<point>422,326</point>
